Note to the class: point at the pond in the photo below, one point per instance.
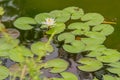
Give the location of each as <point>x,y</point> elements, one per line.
<point>108,8</point>
<point>18,8</point>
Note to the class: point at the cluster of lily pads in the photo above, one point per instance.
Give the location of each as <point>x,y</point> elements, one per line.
<point>80,33</point>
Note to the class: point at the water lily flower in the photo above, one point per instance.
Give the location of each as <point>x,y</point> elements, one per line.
<point>49,21</point>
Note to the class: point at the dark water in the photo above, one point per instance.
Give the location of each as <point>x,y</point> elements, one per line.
<point>108,8</point>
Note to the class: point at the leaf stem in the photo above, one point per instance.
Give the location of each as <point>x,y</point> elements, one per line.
<point>23,72</point>
<point>109,22</point>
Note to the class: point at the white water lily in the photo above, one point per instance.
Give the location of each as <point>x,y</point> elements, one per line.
<point>49,21</point>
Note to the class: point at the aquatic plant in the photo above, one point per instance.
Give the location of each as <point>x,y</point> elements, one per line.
<point>76,32</point>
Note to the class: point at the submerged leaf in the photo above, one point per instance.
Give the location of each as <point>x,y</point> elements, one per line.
<point>58,65</point>
<point>4,72</point>
<point>67,37</point>
<point>93,19</point>
<point>76,12</point>
<point>90,64</point>
<point>1,11</point>
<point>105,29</point>
<point>24,23</point>
<point>75,47</point>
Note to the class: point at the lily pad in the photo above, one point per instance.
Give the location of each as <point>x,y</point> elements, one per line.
<point>75,47</point>
<point>67,37</point>
<point>90,64</point>
<point>4,72</point>
<point>40,48</point>
<point>1,11</point>
<point>58,65</point>
<point>93,19</point>
<point>69,76</point>
<point>76,12</point>
<point>109,56</point>
<point>58,28</point>
<point>24,23</point>
<point>8,44</point>
<point>109,77</point>
<point>79,26</point>
<point>114,70</point>
<point>60,16</point>
<point>105,29</point>
<point>41,17</point>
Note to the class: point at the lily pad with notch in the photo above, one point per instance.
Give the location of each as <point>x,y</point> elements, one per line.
<point>58,65</point>
<point>24,23</point>
<point>89,64</point>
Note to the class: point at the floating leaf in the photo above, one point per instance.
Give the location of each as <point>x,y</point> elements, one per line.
<point>115,64</point>
<point>8,44</point>
<point>94,38</point>
<point>58,28</point>
<point>109,56</point>
<point>114,70</point>
<point>24,23</point>
<point>41,17</point>
<point>4,53</point>
<point>60,16</point>
<point>109,77</point>
<point>69,76</point>
<point>93,19</point>
<point>67,37</point>
<point>75,47</point>
<point>90,64</point>
<point>58,65</point>
<point>105,29</point>
<point>96,50</point>
<point>4,72</point>
<point>76,12</point>
<point>79,26</point>
<point>95,78</point>
<point>40,48</point>
<point>1,11</point>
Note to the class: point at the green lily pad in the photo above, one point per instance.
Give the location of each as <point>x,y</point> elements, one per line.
<point>90,64</point>
<point>60,16</point>
<point>109,77</point>
<point>67,37</point>
<point>58,65</point>
<point>40,48</point>
<point>93,19</point>
<point>76,12</point>
<point>109,56</point>
<point>41,17</point>
<point>69,76</point>
<point>114,70</point>
<point>94,38</point>
<point>58,28</point>
<point>1,11</point>
<point>4,72</point>
<point>115,64</point>
<point>75,47</point>
<point>79,26</point>
<point>105,29</point>
<point>24,23</point>
<point>8,44</point>
<point>4,53</point>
